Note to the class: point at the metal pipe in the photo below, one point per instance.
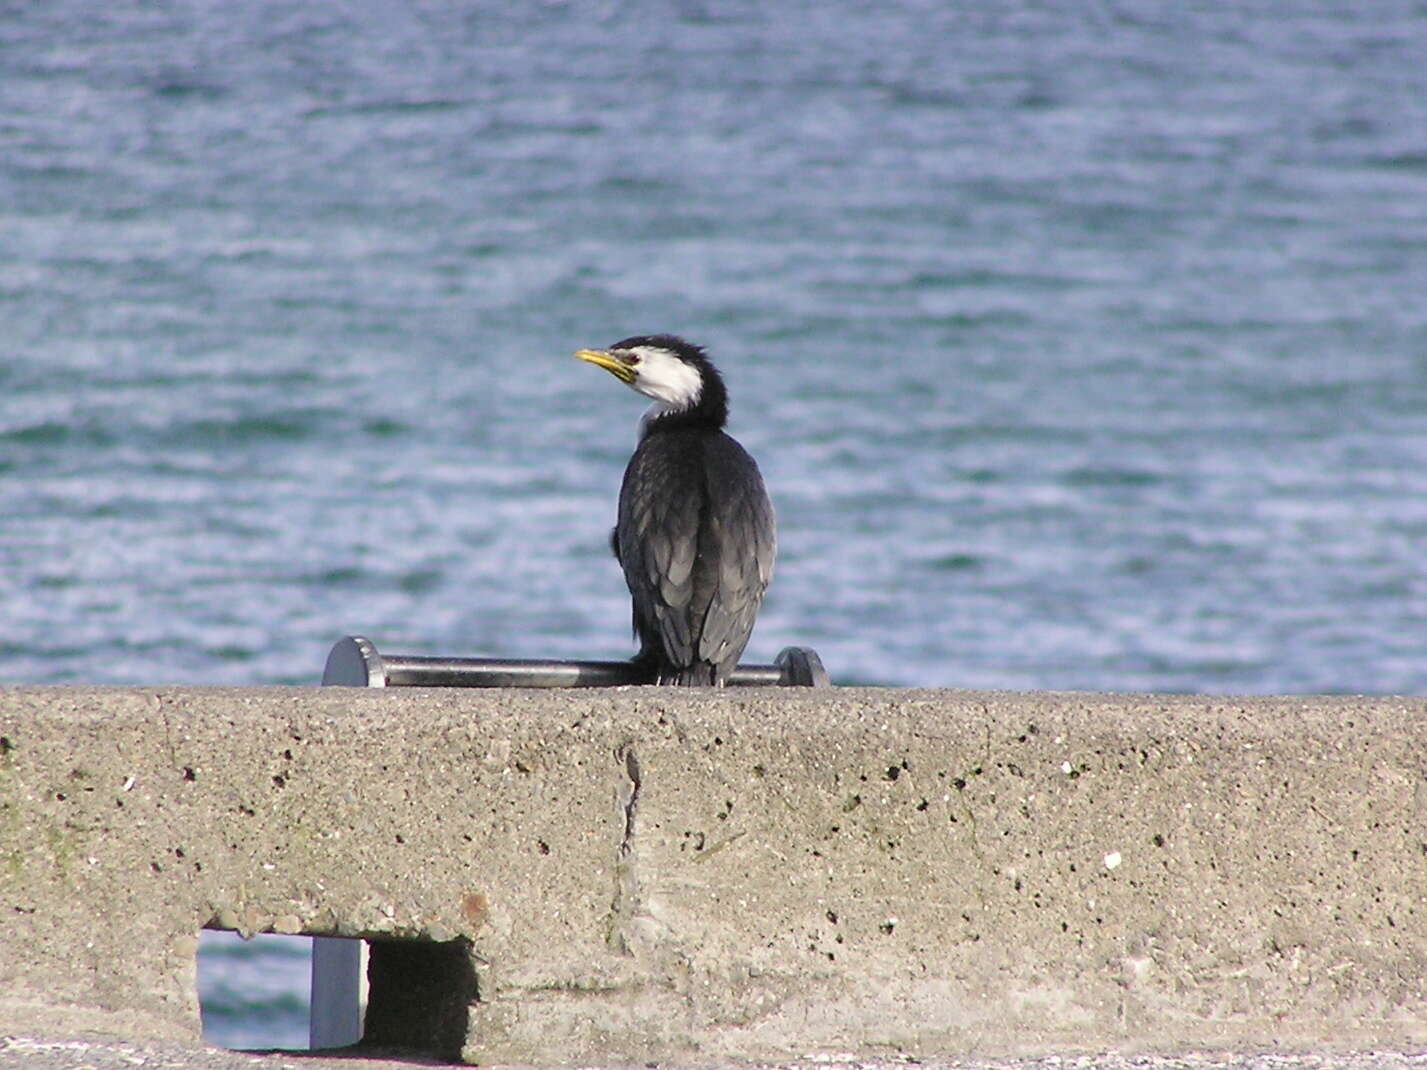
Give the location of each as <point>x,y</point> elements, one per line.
<point>354,661</point>
<point>409,671</point>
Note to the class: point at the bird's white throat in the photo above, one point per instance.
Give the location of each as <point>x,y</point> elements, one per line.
<point>674,384</point>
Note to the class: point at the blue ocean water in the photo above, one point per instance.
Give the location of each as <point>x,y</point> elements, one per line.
<point>1082,345</point>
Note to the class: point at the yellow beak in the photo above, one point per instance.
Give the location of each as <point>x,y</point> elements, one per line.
<point>609,362</point>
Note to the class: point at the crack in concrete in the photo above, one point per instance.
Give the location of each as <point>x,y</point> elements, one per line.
<point>626,882</point>
<point>162,710</point>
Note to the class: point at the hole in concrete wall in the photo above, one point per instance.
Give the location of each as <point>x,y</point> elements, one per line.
<point>254,994</point>
<point>297,993</point>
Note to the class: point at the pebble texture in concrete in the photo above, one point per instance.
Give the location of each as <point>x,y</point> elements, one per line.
<point>37,1053</point>
<point>653,874</point>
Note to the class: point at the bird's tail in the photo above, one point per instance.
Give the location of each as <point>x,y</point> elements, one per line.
<point>699,674</point>
<point>660,671</point>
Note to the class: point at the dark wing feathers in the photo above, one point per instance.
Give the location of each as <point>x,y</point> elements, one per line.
<point>657,524</point>
<point>696,542</point>
<point>740,526</point>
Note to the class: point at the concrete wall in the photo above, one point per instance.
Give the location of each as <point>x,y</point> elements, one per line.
<point>645,873</point>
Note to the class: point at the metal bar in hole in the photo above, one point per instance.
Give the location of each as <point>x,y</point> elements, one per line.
<point>338,992</point>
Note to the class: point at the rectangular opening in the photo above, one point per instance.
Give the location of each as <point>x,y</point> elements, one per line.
<point>300,993</point>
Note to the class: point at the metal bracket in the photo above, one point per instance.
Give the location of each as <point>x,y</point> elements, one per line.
<point>356,662</point>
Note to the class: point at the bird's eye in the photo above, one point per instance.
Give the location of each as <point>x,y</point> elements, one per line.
<point>630,357</point>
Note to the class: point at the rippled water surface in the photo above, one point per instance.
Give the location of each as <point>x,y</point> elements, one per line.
<point>1082,345</point>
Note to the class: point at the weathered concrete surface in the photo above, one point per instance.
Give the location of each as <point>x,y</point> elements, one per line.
<point>91,1053</point>
<point>663,874</point>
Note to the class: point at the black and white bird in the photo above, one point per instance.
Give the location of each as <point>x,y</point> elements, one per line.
<point>695,533</point>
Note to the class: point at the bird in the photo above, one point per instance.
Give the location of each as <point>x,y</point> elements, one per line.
<point>695,532</point>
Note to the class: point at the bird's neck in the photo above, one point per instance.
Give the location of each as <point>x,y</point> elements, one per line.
<point>704,408</point>
<point>699,416</point>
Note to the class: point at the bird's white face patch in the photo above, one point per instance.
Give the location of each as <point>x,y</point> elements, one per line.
<point>659,374</point>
